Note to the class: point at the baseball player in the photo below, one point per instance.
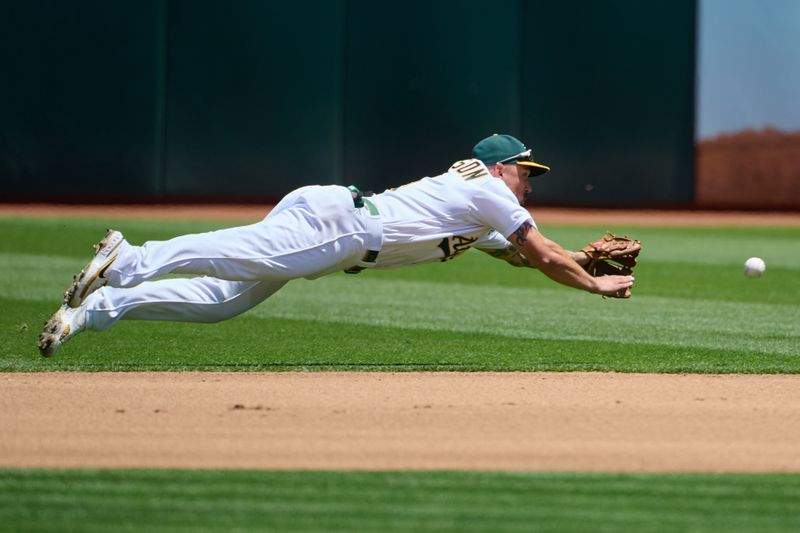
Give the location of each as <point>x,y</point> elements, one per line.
<point>318,230</point>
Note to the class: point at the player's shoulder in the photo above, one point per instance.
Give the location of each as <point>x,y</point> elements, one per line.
<point>469,169</point>
<point>472,177</point>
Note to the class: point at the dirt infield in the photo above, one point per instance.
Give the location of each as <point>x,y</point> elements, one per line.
<point>400,421</point>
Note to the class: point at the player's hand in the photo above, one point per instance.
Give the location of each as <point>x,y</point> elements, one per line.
<point>614,286</point>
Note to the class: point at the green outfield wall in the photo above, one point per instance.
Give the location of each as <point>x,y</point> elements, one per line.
<point>157,100</point>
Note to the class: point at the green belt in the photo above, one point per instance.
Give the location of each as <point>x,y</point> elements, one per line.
<point>359,201</point>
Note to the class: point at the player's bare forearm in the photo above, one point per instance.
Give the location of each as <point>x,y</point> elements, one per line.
<point>509,254</point>
<point>579,257</point>
<point>557,264</point>
<point>549,257</point>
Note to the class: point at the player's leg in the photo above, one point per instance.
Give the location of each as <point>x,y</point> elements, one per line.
<point>312,232</point>
<point>189,300</point>
<point>203,299</point>
<point>95,274</point>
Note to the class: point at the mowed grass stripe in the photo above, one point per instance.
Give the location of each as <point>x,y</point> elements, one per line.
<point>44,277</point>
<point>37,278</point>
<point>391,501</point>
<point>540,313</point>
<point>522,313</point>
<point>484,308</point>
<point>701,246</point>
<point>251,343</point>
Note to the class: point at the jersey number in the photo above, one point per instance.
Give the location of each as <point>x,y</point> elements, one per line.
<point>452,246</point>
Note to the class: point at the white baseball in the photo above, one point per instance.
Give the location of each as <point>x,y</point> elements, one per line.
<point>754,267</point>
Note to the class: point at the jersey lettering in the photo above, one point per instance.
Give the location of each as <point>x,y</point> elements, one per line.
<point>455,245</point>
<point>470,169</point>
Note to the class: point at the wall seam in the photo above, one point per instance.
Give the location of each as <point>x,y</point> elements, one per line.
<point>342,137</point>
<point>521,70</point>
<point>160,155</point>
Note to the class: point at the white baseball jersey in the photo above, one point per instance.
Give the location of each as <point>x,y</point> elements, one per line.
<point>435,219</point>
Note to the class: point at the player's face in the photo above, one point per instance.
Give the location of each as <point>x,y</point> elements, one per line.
<point>516,178</point>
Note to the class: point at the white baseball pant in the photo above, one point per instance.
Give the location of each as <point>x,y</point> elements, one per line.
<point>313,231</point>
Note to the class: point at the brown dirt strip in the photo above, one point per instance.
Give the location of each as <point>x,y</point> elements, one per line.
<point>542,215</point>
<point>402,421</point>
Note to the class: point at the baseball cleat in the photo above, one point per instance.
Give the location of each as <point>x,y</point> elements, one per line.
<point>62,326</point>
<point>91,277</point>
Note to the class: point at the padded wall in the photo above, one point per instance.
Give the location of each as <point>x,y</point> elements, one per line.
<point>163,100</point>
<point>78,98</point>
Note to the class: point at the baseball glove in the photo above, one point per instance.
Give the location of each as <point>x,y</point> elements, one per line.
<point>612,255</point>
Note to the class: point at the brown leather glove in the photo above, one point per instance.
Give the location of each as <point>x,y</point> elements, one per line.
<point>612,255</point>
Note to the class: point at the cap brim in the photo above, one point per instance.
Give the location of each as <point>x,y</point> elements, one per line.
<point>536,168</point>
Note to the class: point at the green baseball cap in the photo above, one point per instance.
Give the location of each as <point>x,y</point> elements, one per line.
<point>507,149</point>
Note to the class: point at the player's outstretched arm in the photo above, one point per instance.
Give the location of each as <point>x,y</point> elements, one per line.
<point>510,254</point>
<point>557,264</point>
<point>579,257</point>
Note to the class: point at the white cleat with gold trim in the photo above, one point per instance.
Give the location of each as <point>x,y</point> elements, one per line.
<point>91,277</point>
<point>62,326</point>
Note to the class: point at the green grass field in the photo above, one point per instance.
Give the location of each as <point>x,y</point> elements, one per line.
<point>151,500</point>
<point>693,311</point>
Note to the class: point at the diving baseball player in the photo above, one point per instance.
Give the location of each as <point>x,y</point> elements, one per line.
<point>317,230</point>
